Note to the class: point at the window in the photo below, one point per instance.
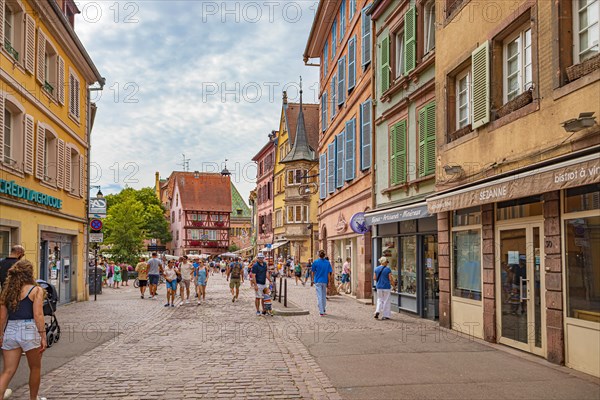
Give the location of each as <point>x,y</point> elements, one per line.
<point>297,214</point>
<point>14,30</point>
<point>194,234</point>
<point>74,172</point>
<point>333,40</point>
<point>16,136</point>
<point>517,69</point>
<point>325,59</point>
<point>586,29</point>
<point>399,56</point>
<point>172,216</point>
<point>365,135</point>
<point>278,218</point>
<point>341,92</point>
<point>342,19</point>
<point>47,155</point>
<point>296,176</point>
<point>427,140</point>
<point>582,239</point>
<point>333,96</point>
<point>466,253</point>
<point>74,96</point>
<point>463,99</point>
<point>351,9</point>
<point>398,153</point>
<point>351,63</point>
<point>366,37</point>
<point>324,111</point>
<point>429,27</point>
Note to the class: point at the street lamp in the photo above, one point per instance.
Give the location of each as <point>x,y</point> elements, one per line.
<point>585,120</point>
<point>99,195</point>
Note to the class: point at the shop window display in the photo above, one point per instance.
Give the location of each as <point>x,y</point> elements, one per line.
<point>467,264</point>
<point>408,265</point>
<point>390,250</point>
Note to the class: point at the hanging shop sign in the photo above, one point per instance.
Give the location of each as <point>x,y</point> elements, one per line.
<point>358,224</point>
<point>13,189</point>
<point>573,173</point>
<point>397,215</point>
<point>341,224</point>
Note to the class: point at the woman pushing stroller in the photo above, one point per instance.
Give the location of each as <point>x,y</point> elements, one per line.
<point>21,304</point>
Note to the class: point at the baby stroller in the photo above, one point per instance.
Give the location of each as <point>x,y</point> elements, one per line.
<point>52,327</point>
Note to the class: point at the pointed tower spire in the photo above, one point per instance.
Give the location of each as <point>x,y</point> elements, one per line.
<point>301,149</point>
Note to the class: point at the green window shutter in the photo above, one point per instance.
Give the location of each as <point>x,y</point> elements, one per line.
<point>398,156</point>
<point>427,140</point>
<point>410,40</point>
<point>385,64</point>
<point>480,72</point>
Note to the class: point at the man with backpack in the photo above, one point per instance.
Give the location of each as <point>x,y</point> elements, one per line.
<point>235,277</point>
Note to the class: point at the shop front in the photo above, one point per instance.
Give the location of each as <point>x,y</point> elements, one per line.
<point>522,265</point>
<point>407,236</point>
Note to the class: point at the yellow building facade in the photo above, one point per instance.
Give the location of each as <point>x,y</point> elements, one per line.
<point>46,117</point>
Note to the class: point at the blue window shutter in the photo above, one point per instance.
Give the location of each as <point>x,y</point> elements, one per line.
<point>339,160</point>
<point>322,176</point>
<point>342,20</point>
<point>365,135</point>
<point>324,111</point>
<point>351,10</point>
<point>325,59</point>
<point>333,96</point>
<point>333,39</point>
<point>366,37</point>
<point>350,164</point>
<point>331,167</point>
<point>341,92</point>
<point>351,63</point>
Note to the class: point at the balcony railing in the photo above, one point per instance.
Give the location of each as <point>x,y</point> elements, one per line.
<point>48,87</point>
<point>8,47</point>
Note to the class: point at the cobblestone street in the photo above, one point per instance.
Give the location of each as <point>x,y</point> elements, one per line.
<point>222,349</point>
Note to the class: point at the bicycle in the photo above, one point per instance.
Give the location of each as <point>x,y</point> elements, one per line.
<point>136,282</point>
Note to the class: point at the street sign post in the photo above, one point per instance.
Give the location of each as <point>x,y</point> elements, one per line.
<point>96,224</point>
<point>97,207</point>
<point>96,237</point>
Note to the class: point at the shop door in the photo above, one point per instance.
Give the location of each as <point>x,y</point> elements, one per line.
<point>65,272</point>
<point>430,278</point>
<point>520,286</point>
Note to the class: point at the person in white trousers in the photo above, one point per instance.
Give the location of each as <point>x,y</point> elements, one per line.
<point>382,276</point>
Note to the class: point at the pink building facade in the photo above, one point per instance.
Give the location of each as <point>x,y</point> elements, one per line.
<point>265,163</point>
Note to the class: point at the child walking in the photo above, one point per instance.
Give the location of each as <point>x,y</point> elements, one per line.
<point>267,302</point>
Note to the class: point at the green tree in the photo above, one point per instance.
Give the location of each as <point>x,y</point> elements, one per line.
<point>233,247</point>
<point>125,229</point>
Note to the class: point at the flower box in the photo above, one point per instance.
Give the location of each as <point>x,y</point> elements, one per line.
<point>520,101</point>
<point>576,71</point>
<point>459,133</point>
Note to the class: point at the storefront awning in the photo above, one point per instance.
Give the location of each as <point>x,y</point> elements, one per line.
<point>396,214</point>
<point>572,173</point>
<point>274,246</point>
<point>243,250</point>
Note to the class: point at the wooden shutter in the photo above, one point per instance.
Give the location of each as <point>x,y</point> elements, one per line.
<point>339,160</point>
<point>351,63</point>
<point>349,168</point>
<point>77,98</point>
<point>333,40</point>
<point>341,92</point>
<point>2,121</point>
<point>342,19</point>
<point>365,135</point>
<point>322,176</point>
<point>480,73</point>
<point>41,57</point>
<point>366,37</point>
<point>2,5</point>
<point>29,144</point>
<point>30,44</point>
<point>427,140</point>
<point>331,167</point>
<point>60,81</point>
<point>398,153</point>
<point>325,59</point>
<point>333,93</point>
<point>60,168</point>
<point>410,40</point>
<point>81,176</point>
<point>385,64</point>
<point>40,156</point>
<point>67,167</point>
<point>324,111</point>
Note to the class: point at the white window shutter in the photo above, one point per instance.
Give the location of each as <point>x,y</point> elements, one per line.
<point>67,167</point>
<point>29,144</point>
<point>60,82</point>
<point>2,5</point>
<point>2,123</point>
<point>60,168</point>
<point>41,57</point>
<point>480,72</point>
<point>30,44</point>
<point>81,176</point>
<point>40,156</point>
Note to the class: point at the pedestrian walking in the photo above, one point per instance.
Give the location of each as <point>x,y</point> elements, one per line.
<point>110,273</point>
<point>185,268</point>
<point>104,275</point>
<point>267,302</point>
<point>154,271</point>
<point>125,274</point>
<point>22,320</point>
<point>321,275</point>
<point>223,265</point>
<point>245,270</point>
<point>17,252</point>
<point>234,276</point>
<point>142,270</point>
<point>117,275</point>
<point>171,278</point>
<point>383,283</point>
<point>345,284</point>
<point>259,281</point>
<point>298,273</point>
<point>307,273</point>
<point>201,276</point>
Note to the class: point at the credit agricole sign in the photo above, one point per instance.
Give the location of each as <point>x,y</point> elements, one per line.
<point>13,189</point>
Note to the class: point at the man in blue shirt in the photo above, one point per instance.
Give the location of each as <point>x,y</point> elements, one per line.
<point>259,281</point>
<point>321,273</point>
<point>382,276</point>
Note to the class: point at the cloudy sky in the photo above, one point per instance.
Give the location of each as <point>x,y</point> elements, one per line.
<point>192,77</point>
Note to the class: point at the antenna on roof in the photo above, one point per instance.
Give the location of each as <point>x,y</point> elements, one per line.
<point>185,163</point>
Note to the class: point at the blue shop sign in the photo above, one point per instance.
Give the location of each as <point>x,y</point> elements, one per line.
<point>11,188</point>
